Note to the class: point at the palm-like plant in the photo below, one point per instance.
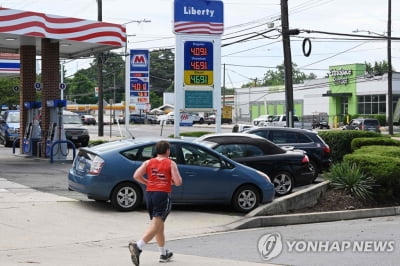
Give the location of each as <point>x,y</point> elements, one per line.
<point>351,179</point>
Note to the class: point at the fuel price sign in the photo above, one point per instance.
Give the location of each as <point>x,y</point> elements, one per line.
<point>198,63</point>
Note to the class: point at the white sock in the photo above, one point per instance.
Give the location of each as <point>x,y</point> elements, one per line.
<point>140,244</point>
<point>163,251</point>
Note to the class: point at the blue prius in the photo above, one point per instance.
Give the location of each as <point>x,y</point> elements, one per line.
<point>104,172</point>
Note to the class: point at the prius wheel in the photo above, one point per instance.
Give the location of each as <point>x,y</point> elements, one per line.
<point>283,183</point>
<point>246,198</point>
<point>126,197</point>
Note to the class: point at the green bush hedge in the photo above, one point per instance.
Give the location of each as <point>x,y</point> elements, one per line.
<point>195,134</point>
<point>339,141</point>
<point>383,164</point>
<point>383,141</point>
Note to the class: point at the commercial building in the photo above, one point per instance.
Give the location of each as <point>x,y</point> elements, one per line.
<point>347,90</point>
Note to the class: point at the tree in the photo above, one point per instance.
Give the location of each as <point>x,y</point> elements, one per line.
<point>378,69</point>
<point>155,100</point>
<point>81,89</point>
<point>7,94</point>
<point>162,71</point>
<point>277,77</point>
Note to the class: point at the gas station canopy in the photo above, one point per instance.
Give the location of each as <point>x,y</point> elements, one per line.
<point>76,37</point>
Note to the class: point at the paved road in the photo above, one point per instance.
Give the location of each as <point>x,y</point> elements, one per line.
<point>352,242</point>
<point>140,130</point>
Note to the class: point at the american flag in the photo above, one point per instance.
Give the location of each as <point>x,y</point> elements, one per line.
<point>198,27</point>
<point>56,27</point>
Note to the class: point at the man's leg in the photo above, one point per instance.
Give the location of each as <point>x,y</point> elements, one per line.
<point>156,225</point>
<point>135,248</point>
<point>160,236</point>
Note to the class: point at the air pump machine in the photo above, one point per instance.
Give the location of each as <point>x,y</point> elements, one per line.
<point>32,134</point>
<point>56,139</point>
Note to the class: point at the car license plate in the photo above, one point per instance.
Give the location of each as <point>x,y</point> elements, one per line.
<point>74,137</point>
<point>81,166</point>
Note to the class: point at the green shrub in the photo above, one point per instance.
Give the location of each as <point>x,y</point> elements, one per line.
<point>195,134</point>
<point>390,151</point>
<point>383,141</point>
<point>382,163</point>
<point>96,142</point>
<point>349,177</point>
<point>339,141</point>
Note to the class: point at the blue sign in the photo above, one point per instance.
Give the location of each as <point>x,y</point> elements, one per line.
<point>198,55</point>
<point>140,60</point>
<point>198,17</point>
<point>139,76</point>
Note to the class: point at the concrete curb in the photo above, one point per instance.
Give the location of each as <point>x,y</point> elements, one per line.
<point>304,198</point>
<point>271,214</point>
<point>289,219</point>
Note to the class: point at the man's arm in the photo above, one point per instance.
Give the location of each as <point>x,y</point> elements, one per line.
<point>140,172</point>
<point>176,176</point>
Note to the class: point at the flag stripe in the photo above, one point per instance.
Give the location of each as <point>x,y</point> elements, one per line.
<point>198,27</point>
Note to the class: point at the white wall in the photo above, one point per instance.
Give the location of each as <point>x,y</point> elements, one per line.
<point>169,98</point>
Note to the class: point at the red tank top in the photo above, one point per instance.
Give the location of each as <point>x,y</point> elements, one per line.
<point>159,175</point>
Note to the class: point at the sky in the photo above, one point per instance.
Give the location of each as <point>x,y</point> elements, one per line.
<point>248,60</point>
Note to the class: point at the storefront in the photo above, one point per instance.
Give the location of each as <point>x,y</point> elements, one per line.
<point>347,91</point>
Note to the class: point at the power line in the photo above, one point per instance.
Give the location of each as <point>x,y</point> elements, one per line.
<point>337,54</point>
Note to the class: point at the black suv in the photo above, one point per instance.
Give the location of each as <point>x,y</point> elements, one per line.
<point>317,150</point>
<point>74,129</point>
<point>367,124</point>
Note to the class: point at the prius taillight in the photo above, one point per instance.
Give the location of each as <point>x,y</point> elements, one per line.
<point>96,166</point>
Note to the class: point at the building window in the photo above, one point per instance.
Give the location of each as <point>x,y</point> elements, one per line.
<point>372,104</point>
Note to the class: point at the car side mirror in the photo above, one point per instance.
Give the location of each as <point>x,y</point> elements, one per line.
<point>225,164</point>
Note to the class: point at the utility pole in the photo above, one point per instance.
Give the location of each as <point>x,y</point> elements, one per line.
<point>287,62</point>
<point>100,69</point>
<point>389,55</point>
<point>223,90</point>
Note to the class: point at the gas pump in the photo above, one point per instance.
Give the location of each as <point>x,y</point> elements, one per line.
<point>32,130</point>
<point>56,130</point>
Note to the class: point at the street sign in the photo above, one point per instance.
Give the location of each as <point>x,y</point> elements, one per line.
<point>16,89</point>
